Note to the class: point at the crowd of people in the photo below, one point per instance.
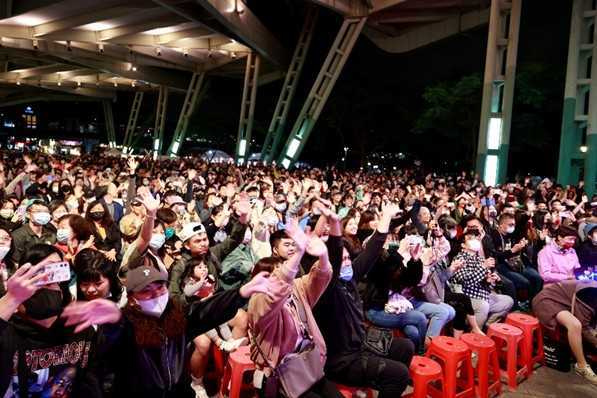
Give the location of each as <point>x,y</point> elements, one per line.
<point>312,269</point>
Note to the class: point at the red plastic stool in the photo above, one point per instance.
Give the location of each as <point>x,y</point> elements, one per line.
<point>508,337</point>
<point>239,362</point>
<point>487,360</point>
<point>424,371</point>
<point>530,327</point>
<point>453,355</point>
<point>350,392</point>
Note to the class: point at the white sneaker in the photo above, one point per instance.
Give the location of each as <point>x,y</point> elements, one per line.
<point>587,373</point>
<point>232,345</point>
<point>199,389</point>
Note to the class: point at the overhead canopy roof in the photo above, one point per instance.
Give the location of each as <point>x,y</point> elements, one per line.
<point>402,25</point>
<point>93,48</point>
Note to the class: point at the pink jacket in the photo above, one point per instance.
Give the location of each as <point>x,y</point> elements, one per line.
<point>271,323</point>
<point>556,264</point>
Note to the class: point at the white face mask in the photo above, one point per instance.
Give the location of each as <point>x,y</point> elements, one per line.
<point>63,235</point>
<point>509,230</point>
<point>281,207</point>
<point>6,213</point>
<point>157,241</point>
<point>3,251</point>
<point>473,244</point>
<point>453,233</point>
<point>155,306</point>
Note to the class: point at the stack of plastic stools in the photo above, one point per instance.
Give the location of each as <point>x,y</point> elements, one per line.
<point>350,392</point>
<point>510,338</point>
<point>487,363</point>
<point>532,348</point>
<point>454,356</point>
<point>423,372</point>
<point>239,362</point>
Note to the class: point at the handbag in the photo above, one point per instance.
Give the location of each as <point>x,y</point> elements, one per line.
<point>378,340</point>
<point>515,263</point>
<point>297,371</point>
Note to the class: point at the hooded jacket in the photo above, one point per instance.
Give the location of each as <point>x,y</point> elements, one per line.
<point>46,361</point>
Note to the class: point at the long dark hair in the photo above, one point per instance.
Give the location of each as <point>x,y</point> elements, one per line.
<point>106,221</point>
<point>90,265</point>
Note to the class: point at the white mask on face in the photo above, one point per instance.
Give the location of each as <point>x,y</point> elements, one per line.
<point>473,244</point>
<point>157,241</point>
<point>155,306</point>
<point>452,233</point>
<point>3,251</point>
<point>509,230</point>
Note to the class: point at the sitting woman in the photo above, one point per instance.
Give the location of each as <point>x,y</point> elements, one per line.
<point>572,304</point>
<point>283,325</point>
<point>387,282</point>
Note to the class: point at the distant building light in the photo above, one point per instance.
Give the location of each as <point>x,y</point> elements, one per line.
<point>583,148</point>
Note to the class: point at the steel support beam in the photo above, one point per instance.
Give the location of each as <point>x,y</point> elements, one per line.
<point>352,8</point>
<point>430,33</point>
<point>498,91</point>
<point>247,109</point>
<point>109,123</point>
<point>578,148</point>
<point>239,19</point>
<point>185,113</point>
<point>331,69</point>
<point>131,126</point>
<point>160,121</point>
<point>276,127</point>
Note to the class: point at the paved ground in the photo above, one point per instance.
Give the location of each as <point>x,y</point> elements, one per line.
<point>549,383</point>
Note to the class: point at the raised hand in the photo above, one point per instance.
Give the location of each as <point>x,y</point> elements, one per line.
<point>192,173</point>
<point>24,282</point>
<point>389,209</point>
<point>94,312</point>
<point>263,283</point>
<point>316,247</point>
<point>132,164</point>
<point>243,207</point>
<point>415,251</point>
<point>294,231</point>
<point>151,204</point>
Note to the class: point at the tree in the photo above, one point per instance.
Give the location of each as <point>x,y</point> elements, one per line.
<point>451,116</point>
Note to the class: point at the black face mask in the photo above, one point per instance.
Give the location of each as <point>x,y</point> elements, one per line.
<point>66,189</point>
<point>44,304</point>
<point>96,215</point>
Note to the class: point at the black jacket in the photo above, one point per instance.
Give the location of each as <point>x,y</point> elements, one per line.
<point>52,358</point>
<point>160,372</point>
<point>23,239</point>
<point>391,274</point>
<point>111,241</point>
<point>339,311</point>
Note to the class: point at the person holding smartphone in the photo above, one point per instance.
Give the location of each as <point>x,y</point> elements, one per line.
<point>35,344</point>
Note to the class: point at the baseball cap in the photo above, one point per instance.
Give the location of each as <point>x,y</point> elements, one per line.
<point>190,230</point>
<point>138,278</point>
<point>589,228</point>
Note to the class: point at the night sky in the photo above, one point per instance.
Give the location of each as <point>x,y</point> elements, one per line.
<point>378,97</point>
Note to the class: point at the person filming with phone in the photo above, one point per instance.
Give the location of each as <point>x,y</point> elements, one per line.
<point>37,350</point>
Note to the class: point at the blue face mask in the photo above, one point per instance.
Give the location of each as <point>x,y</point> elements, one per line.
<point>346,273</point>
<point>169,232</point>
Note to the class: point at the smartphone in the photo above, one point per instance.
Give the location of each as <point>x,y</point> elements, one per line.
<point>57,272</point>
